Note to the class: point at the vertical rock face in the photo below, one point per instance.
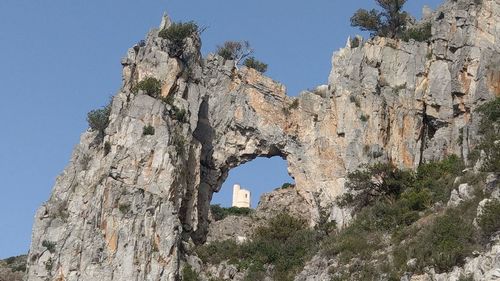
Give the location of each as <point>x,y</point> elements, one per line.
<point>124,206</point>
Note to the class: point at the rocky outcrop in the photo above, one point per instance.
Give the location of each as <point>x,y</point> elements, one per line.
<point>485,266</point>
<point>240,228</point>
<point>126,207</point>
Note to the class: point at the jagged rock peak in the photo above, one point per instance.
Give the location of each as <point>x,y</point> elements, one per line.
<point>165,21</point>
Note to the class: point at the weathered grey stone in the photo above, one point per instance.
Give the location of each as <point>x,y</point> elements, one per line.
<point>231,228</point>
<point>462,193</point>
<point>317,269</point>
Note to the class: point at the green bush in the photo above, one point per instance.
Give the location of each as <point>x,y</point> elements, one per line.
<point>357,240</point>
<point>255,272</point>
<point>180,143</point>
<point>444,244</point>
<point>148,130</point>
<point>10,260</point>
<point>390,22</point>
<point>218,251</point>
<point>150,86</point>
<point>279,228</point>
<point>490,113</point>
<point>420,33</point>
<point>355,42</point>
<point>294,104</point>
<point>432,183</point>
<point>489,221</point>
<point>284,243</point>
<point>396,200</point>
<point>188,274</point>
<point>364,118</point>
<point>287,185</point>
<point>468,277</point>
<point>489,128</point>
<point>291,106</point>
<point>219,213</point>
<point>124,208</point>
<point>234,50</point>
<point>251,62</point>
<point>107,148</point>
<point>376,182</point>
<point>492,161</point>
<point>416,199</point>
<point>180,114</point>
<point>49,264</point>
<point>50,246</point>
<point>98,119</point>
<point>438,177</point>
<point>175,112</point>
<point>355,100</point>
<point>324,225</point>
<point>176,34</point>
<point>19,268</point>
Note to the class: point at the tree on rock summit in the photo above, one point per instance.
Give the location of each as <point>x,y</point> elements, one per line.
<point>390,22</point>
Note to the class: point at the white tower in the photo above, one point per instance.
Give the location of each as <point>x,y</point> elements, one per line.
<point>241,197</point>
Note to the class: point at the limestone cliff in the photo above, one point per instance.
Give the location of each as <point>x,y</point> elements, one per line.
<point>126,207</point>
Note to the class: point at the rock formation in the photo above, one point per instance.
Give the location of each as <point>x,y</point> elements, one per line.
<point>126,207</point>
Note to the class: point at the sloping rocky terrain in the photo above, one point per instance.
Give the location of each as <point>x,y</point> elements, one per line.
<point>134,200</point>
<point>12,269</point>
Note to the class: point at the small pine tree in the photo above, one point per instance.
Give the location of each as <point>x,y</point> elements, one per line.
<point>176,34</point>
<point>98,119</point>
<point>390,22</point>
<point>234,50</point>
<point>150,86</point>
<point>251,62</point>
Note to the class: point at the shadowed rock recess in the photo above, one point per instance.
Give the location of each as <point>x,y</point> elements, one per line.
<point>127,207</point>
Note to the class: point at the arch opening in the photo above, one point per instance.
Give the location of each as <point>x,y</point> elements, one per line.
<point>259,176</point>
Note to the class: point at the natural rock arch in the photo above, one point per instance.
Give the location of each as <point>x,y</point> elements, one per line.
<point>242,135</point>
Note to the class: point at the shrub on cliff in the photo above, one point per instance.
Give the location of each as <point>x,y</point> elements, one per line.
<point>285,243</point>
<point>219,213</point>
<point>442,244</point>
<point>251,62</point>
<point>420,33</point>
<point>440,240</point>
<point>489,128</point>
<point>150,86</point>
<point>234,50</point>
<point>176,34</point>
<point>390,22</point>
<point>438,177</point>
<point>490,113</point>
<point>98,119</point>
<point>380,181</point>
<point>383,182</point>
<point>489,221</point>
<point>355,42</point>
<point>148,130</point>
<point>188,274</point>
<point>49,245</point>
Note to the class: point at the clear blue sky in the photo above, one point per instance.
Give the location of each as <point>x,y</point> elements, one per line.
<point>61,59</point>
